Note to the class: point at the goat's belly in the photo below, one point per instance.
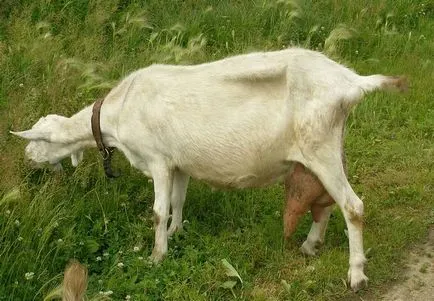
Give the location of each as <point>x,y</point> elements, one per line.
<point>219,176</point>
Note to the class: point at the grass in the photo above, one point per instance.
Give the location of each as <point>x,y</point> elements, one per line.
<point>58,56</point>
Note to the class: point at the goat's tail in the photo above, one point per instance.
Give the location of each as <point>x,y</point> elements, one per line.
<point>74,282</point>
<point>381,82</point>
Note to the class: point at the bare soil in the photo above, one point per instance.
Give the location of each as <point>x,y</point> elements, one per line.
<point>418,284</point>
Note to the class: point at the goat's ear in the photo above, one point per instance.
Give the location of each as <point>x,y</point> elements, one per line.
<point>33,134</point>
<point>76,158</point>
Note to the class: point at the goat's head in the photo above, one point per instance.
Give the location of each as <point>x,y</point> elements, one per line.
<point>51,140</point>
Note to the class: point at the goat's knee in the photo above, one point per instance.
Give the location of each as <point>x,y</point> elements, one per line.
<point>160,226</point>
<point>354,211</point>
<point>161,216</point>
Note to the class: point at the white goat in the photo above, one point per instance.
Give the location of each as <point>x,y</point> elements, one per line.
<point>238,122</point>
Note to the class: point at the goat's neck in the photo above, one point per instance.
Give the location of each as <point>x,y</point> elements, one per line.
<point>80,126</point>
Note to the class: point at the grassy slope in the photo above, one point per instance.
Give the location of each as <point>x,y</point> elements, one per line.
<point>57,56</point>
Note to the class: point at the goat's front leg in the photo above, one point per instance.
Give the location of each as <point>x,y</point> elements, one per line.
<point>163,183</point>
<point>179,190</point>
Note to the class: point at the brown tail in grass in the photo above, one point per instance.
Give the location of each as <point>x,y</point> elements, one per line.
<point>74,281</point>
<point>382,82</point>
<point>399,83</point>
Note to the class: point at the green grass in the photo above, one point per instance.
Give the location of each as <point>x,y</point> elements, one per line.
<point>58,56</point>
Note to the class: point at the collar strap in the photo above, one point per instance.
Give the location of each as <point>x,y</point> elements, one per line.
<point>96,128</point>
<point>106,152</point>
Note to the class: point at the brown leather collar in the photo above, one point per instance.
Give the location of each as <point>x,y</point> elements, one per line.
<point>106,152</point>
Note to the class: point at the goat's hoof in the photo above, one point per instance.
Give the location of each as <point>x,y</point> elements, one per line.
<point>156,257</point>
<point>310,248</point>
<point>357,279</point>
<point>174,229</point>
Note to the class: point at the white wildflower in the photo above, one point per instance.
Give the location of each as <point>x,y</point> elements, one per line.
<point>8,212</point>
<point>29,275</point>
<point>105,254</point>
<point>136,249</point>
<point>98,258</point>
<point>17,222</point>
<point>127,297</point>
<point>310,268</point>
<point>120,265</point>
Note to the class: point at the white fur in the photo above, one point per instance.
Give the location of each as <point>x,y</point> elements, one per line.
<point>316,235</point>
<point>238,122</point>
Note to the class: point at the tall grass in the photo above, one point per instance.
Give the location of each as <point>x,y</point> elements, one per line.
<point>58,56</point>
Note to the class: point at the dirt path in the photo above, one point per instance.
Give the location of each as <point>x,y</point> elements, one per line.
<point>419,276</point>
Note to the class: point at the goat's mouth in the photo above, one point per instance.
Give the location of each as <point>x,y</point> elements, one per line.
<point>35,165</point>
<point>44,165</point>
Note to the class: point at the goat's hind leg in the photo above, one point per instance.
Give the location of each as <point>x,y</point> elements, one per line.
<point>303,191</point>
<point>330,171</point>
<point>321,210</point>
<point>316,235</point>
